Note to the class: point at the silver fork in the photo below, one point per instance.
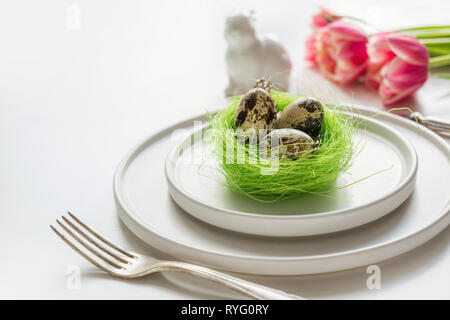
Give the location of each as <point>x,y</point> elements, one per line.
<point>436,124</point>
<point>122,263</point>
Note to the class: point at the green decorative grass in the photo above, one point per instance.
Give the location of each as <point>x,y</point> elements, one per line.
<point>312,173</point>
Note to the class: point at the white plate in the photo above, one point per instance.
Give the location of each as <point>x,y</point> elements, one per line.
<point>195,186</point>
<point>147,209</point>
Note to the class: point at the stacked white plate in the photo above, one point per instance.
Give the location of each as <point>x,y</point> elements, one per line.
<point>168,193</point>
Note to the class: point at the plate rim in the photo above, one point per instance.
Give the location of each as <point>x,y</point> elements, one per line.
<point>132,221</point>
<point>405,182</point>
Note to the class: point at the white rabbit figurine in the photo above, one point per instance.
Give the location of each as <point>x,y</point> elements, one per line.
<point>250,57</point>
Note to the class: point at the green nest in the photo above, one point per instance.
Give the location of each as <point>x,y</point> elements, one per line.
<point>261,179</point>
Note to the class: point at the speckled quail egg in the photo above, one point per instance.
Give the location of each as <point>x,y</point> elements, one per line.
<point>305,114</point>
<point>292,143</point>
<point>257,110</point>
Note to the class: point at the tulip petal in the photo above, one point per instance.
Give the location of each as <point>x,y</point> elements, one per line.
<point>319,21</point>
<point>379,41</point>
<point>323,18</point>
<point>373,80</point>
<point>310,48</point>
<point>344,30</point>
<point>346,73</point>
<point>403,75</point>
<point>390,96</point>
<point>353,51</point>
<point>400,79</point>
<point>408,48</point>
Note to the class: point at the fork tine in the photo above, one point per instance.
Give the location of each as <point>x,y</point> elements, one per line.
<point>81,253</point>
<point>74,227</point>
<point>100,237</point>
<point>88,247</point>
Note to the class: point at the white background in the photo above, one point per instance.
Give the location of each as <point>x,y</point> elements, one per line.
<point>74,101</point>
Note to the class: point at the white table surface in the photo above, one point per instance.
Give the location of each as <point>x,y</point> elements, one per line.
<point>74,101</point>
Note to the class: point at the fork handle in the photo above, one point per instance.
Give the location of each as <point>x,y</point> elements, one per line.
<point>250,289</point>
<point>433,123</point>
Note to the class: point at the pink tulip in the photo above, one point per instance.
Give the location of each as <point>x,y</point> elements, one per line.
<point>319,20</point>
<point>398,65</point>
<point>324,17</point>
<point>310,52</point>
<point>340,51</point>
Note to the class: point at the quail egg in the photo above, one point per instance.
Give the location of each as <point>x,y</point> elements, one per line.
<point>292,143</point>
<point>305,114</point>
<point>257,110</point>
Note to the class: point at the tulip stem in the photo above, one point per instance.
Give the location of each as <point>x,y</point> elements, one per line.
<point>428,32</point>
<point>444,75</point>
<point>440,61</point>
